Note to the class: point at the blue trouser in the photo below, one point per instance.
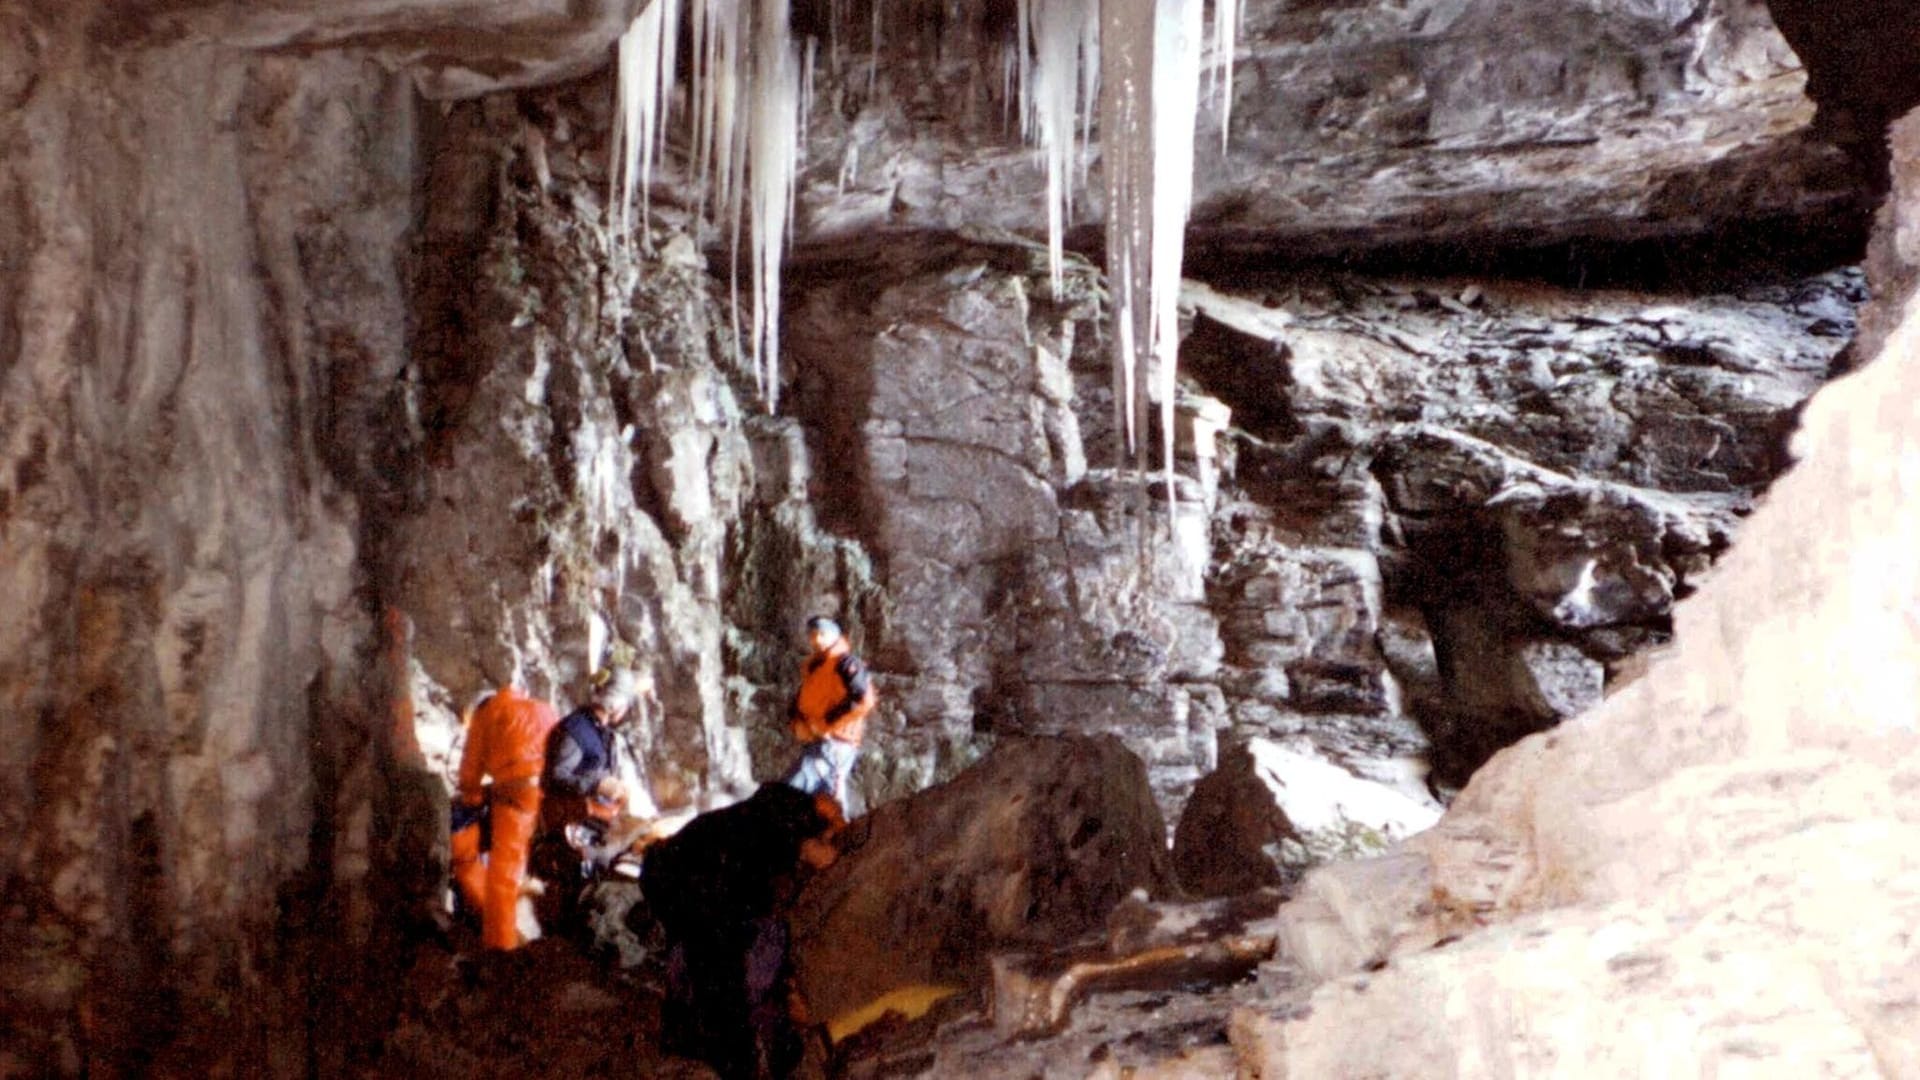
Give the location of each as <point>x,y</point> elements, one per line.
<point>823,769</point>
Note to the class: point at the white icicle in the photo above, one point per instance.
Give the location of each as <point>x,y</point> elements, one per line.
<point>1126,147</point>
<point>1176,106</point>
<point>1056,94</point>
<point>1226,31</point>
<point>773,148</point>
<point>833,37</point>
<point>807,65</point>
<point>664,71</point>
<point>1150,60</point>
<point>873,58</point>
<point>1056,80</point>
<point>1023,20</point>
<point>1089,80</point>
<point>644,85</point>
<point>750,94</point>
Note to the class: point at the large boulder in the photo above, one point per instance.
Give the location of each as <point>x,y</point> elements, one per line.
<point>1032,846</point>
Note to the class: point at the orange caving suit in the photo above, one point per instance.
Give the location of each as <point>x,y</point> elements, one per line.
<point>506,740</point>
<point>835,696</point>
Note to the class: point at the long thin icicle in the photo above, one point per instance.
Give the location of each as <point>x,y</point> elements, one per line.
<point>1140,59</point>
<point>1150,59</point>
<point>749,94</point>
<point>1176,106</point>
<point>1023,21</point>
<point>1126,150</point>
<point>773,154</point>
<point>1225,32</point>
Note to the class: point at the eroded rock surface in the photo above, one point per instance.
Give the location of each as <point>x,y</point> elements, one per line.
<point>1473,512</point>
<point>200,254</point>
<point>1662,878</point>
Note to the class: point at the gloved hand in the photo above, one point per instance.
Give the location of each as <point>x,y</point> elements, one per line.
<point>611,790</point>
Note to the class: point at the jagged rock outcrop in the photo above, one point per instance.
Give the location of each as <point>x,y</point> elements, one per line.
<point>1712,824</point>
<point>939,409</point>
<point>583,450</point>
<point>1472,515</point>
<point>1409,526</point>
<point>1688,859</point>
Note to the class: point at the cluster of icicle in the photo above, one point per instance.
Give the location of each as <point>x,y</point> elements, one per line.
<point>747,96</point>
<point>1139,61</point>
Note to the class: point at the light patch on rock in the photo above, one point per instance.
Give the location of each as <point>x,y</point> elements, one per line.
<point>1335,814</point>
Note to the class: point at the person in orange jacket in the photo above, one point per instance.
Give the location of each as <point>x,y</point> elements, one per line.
<point>829,711</point>
<point>507,741</point>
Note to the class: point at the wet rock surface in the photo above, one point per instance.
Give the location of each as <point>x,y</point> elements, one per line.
<point>1470,513</point>
<point>1628,872</point>
<point>584,461</point>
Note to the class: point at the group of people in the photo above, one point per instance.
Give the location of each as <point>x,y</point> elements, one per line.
<point>527,775</point>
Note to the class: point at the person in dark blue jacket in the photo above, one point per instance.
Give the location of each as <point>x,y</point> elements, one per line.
<point>582,781</point>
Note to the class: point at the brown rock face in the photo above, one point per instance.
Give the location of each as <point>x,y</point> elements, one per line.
<point>201,252</point>
<point>1271,810</point>
<point>1034,844</point>
<point>1860,57</point>
<point>1217,848</point>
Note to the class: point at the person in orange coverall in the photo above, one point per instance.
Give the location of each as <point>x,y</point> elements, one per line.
<point>507,741</point>
<point>829,711</point>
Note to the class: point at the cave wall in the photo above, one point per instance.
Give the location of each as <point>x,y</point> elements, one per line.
<point>582,449</point>
<point>327,405</point>
<point>204,312</point>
